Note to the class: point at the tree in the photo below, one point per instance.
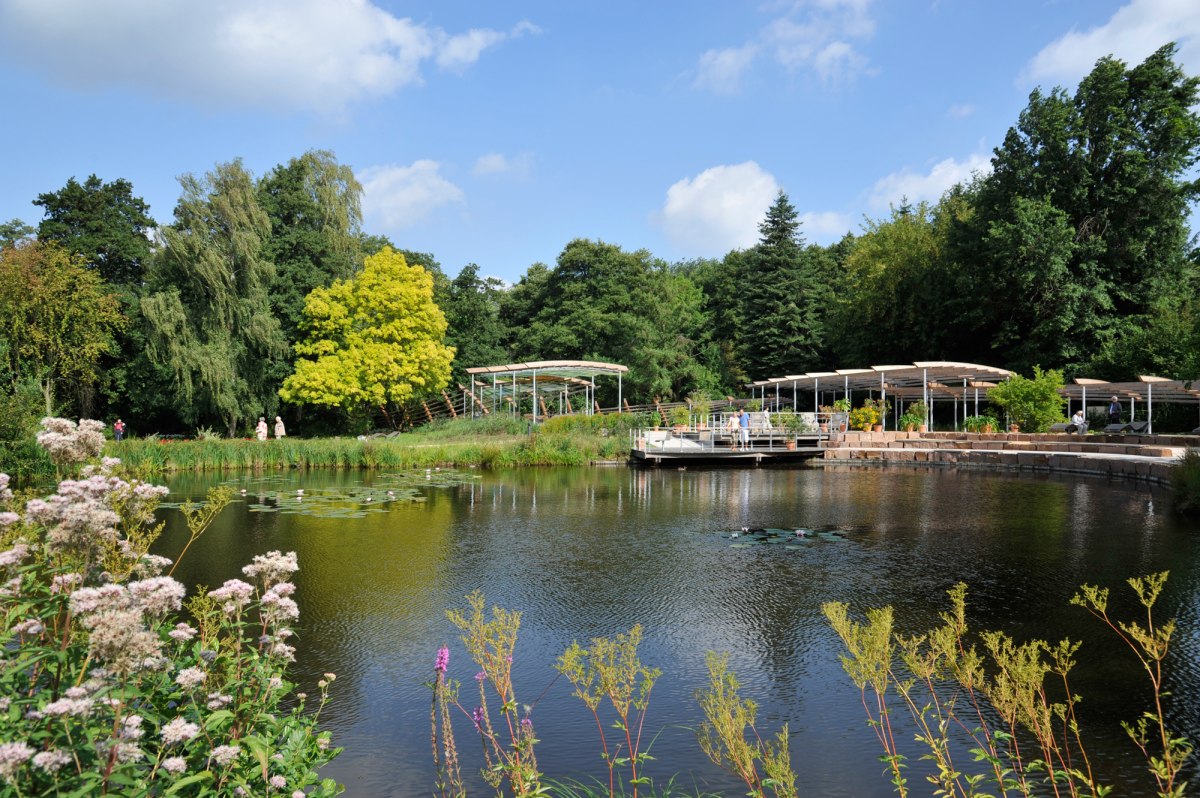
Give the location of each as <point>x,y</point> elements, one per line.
<point>57,318</point>
<point>1081,229</point>
<point>1033,403</point>
<point>473,321</point>
<point>370,340</point>
<point>208,309</point>
<point>602,303</point>
<point>15,233</point>
<point>104,223</point>
<point>783,320</point>
<point>314,205</point>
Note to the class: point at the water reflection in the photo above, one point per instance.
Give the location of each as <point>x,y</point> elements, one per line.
<point>589,552</point>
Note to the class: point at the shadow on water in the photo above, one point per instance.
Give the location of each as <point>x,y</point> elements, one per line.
<point>590,552</point>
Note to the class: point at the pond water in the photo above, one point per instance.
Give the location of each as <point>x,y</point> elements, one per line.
<point>590,552</point>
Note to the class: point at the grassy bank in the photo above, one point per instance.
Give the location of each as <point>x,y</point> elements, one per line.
<point>500,443</point>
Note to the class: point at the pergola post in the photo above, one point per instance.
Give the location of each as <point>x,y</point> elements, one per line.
<point>1149,408</point>
<point>925,397</point>
<point>619,396</point>
<point>534,397</point>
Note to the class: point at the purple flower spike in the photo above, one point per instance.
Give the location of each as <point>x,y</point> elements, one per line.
<point>443,660</point>
<point>477,716</point>
<point>479,677</point>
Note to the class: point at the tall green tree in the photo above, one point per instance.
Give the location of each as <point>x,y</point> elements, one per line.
<point>372,340</point>
<point>473,318</point>
<point>315,208</point>
<point>784,298</point>
<point>14,233</point>
<point>57,318</point>
<point>103,223</point>
<point>1081,229</point>
<point>600,302</point>
<point>208,308</point>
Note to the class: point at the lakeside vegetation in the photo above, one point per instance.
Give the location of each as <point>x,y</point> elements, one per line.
<point>490,443</point>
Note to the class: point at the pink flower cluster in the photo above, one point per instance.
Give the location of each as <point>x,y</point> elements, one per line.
<point>68,442</point>
<point>117,616</point>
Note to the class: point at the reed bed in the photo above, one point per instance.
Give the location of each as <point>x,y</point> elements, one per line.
<point>482,443</point>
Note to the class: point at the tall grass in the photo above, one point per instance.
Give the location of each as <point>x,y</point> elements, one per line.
<point>1185,482</point>
<point>493,442</point>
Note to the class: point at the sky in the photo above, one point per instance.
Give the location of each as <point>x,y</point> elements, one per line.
<point>496,132</point>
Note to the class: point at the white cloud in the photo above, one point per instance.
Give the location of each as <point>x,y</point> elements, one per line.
<point>929,186</point>
<point>1135,31</point>
<point>402,196</point>
<point>824,226</point>
<point>283,54</point>
<point>718,209</point>
<point>961,111</point>
<point>721,71</point>
<point>816,35</point>
<point>495,163</point>
<point>459,52</point>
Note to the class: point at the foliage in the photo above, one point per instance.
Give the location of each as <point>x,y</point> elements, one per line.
<point>1033,403</point>
<point>603,303</point>
<point>680,415</point>
<point>103,223</point>
<point>508,742</point>
<point>784,296</point>
<point>108,690</point>
<point>841,405</point>
<point>1185,482</point>
<point>722,736</point>
<point>473,322</point>
<point>983,423</point>
<point>57,318</point>
<point>868,414</point>
<point>610,669</point>
<point>909,420</point>
<point>314,207</point>
<point>208,309</point>
<point>1081,227</point>
<point>995,696</point>
<point>370,340</point>
<point>15,233</point>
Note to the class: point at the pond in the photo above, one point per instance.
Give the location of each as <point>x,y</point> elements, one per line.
<point>590,552</point>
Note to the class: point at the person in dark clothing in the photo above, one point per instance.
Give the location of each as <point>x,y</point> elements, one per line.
<point>1114,411</point>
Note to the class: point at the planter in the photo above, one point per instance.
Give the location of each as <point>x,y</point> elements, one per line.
<point>791,446</point>
<point>1014,427</point>
<point>923,428</point>
<point>877,428</point>
<point>987,429</point>
<point>824,426</point>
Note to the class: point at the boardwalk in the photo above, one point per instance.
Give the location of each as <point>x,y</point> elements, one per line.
<point>690,445</point>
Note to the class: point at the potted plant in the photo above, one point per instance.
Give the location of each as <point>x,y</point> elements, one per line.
<point>910,421</point>
<point>680,418</point>
<point>841,407</point>
<point>867,416</point>
<point>920,411</point>
<point>984,424</point>
<point>825,412</point>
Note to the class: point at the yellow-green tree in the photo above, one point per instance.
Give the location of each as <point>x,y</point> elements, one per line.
<point>370,340</point>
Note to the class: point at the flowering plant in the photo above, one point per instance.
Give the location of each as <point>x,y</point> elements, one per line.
<point>104,689</point>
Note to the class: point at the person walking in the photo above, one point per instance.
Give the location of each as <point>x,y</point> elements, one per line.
<point>260,431</point>
<point>119,430</point>
<point>279,430</point>
<point>1114,411</point>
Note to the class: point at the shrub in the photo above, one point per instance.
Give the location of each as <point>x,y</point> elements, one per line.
<point>1185,482</point>
<point>1032,403</point>
<point>981,423</point>
<point>105,688</point>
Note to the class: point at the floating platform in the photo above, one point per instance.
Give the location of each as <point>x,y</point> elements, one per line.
<point>712,448</point>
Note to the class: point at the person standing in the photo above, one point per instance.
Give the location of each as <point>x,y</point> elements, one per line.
<point>1114,411</point>
<point>260,431</point>
<point>119,430</point>
<point>744,429</point>
<point>279,430</point>
<point>731,427</point>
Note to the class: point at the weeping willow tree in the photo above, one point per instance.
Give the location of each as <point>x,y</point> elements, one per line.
<point>208,307</point>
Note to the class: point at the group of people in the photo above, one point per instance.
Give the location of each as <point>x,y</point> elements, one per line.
<point>260,431</point>
<point>738,427</point>
<point>1114,415</point>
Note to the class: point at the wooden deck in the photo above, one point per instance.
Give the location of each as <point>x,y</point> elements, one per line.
<point>656,447</point>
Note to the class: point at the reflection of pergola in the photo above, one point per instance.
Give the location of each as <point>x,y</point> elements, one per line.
<point>540,379</point>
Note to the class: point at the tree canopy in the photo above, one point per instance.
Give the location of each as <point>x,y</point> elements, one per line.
<point>103,223</point>
<point>372,339</point>
<point>208,306</point>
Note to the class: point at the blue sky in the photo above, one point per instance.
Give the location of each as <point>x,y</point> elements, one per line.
<point>495,133</point>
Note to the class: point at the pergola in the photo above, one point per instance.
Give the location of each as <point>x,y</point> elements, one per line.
<point>540,379</point>
<point>927,381</point>
<point>1146,388</point>
<point>965,383</point>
